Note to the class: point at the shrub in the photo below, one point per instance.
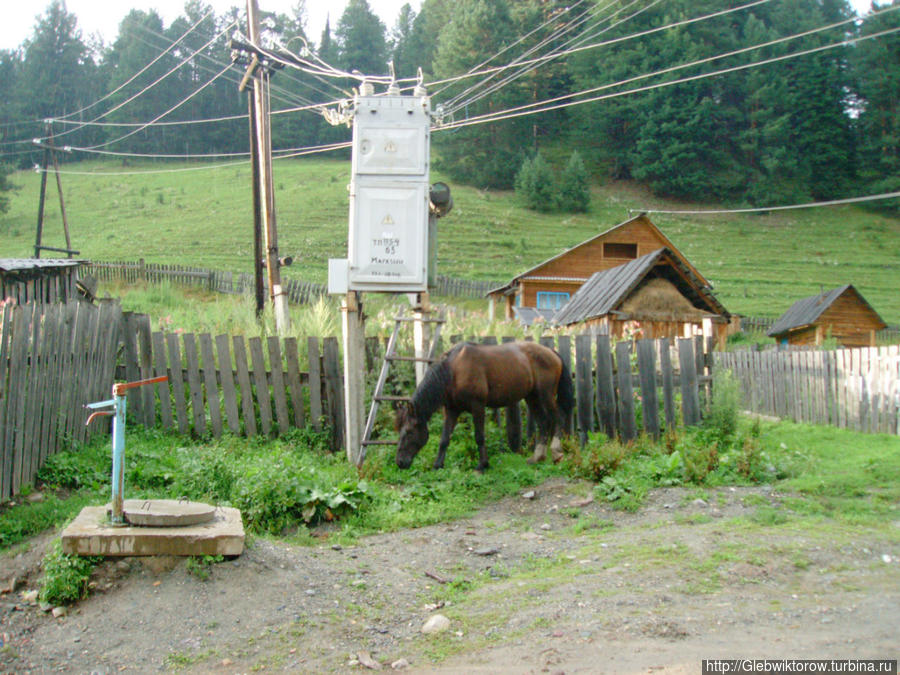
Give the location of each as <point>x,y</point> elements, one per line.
<point>723,409</point>
<point>535,184</point>
<point>574,194</point>
<point>65,578</point>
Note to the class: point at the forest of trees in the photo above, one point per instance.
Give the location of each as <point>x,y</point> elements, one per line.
<point>823,125</point>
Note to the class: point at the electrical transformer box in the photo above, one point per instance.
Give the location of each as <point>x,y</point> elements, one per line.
<point>388,237</point>
<point>390,136</point>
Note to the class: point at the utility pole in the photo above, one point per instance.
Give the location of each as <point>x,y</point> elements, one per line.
<point>50,153</point>
<point>266,183</point>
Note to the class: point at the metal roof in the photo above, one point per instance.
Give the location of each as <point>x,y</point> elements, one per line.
<point>528,315</point>
<point>22,264</point>
<point>807,311</point>
<point>608,289</point>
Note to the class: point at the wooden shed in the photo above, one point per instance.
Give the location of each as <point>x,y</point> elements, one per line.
<point>38,279</point>
<point>841,313</point>
<point>656,295</point>
<point>550,284</point>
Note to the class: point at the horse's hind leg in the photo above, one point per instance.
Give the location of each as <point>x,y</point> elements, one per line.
<point>450,417</point>
<point>478,421</point>
<point>539,413</point>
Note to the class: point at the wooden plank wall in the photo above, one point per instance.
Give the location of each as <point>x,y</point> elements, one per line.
<point>53,360</point>
<point>855,389</point>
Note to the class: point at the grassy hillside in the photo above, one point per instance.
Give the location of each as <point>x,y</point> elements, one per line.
<point>759,263</point>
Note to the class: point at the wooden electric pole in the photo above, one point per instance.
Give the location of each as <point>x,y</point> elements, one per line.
<point>266,183</point>
<point>50,153</point>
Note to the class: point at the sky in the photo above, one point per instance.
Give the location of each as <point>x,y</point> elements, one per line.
<point>102,18</point>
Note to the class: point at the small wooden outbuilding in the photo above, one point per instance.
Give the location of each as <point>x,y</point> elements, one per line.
<point>38,279</point>
<point>841,313</point>
<point>656,295</point>
<point>552,283</point>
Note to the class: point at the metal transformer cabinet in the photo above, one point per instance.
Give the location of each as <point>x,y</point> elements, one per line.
<point>389,194</point>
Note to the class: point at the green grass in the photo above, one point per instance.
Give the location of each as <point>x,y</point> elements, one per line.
<point>759,264</point>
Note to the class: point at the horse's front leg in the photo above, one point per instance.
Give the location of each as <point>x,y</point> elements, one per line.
<point>450,417</point>
<point>478,422</point>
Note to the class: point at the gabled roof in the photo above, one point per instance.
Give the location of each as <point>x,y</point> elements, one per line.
<point>608,289</point>
<point>807,311</point>
<point>640,217</point>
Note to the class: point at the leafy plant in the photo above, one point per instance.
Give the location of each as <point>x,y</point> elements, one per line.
<point>199,566</point>
<point>65,578</point>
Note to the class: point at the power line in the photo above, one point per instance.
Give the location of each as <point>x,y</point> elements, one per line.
<point>155,82</point>
<point>531,108</point>
<point>605,43</point>
<point>160,116</point>
<point>808,205</point>
<point>526,69</point>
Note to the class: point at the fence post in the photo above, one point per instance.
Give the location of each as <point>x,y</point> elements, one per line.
<point>690,400</point>
<point>647,373</point>
<point>584,387</point>
<point>627,426</point>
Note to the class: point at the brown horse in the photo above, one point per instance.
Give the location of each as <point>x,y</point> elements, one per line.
<point>472,377</point>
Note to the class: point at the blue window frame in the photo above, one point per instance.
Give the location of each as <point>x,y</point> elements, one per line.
<point>550,300</point>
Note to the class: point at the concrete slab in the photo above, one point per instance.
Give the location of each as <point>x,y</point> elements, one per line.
<point>91,534</point>
<point>166,512</point>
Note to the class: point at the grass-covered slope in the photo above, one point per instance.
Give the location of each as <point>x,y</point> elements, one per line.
<point>759,264</point>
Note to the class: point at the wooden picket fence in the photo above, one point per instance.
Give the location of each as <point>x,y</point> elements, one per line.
<point>662,383</point>
<point>218,281</point>
<point>54,359</point>
<point>851,388</point>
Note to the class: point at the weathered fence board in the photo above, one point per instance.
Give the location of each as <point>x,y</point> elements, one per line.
<point>850,388</point>
<point>627,425</point>
<point>229,393</point>
<point>211,384</point>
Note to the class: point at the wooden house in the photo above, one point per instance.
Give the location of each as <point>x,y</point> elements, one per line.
<point>38,279</point>
<point>656,295</point>
<point>550,284</point>
<point>841,313</point>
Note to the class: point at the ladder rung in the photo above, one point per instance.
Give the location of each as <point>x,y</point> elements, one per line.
<point>412,318</point>
<point>392,398</point>
<point>379,442</point>
<point>424,359</point>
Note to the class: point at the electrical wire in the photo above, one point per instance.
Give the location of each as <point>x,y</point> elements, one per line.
<point>145,68</point>
<point>529,109</point>
<point>808,205</point>
<point>527,69</point>
<point>160,116</point>
<point>605,43</point>
<point>155,82</point>
<point>205,167</point>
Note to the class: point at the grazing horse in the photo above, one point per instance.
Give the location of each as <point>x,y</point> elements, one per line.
<point>472,377</point>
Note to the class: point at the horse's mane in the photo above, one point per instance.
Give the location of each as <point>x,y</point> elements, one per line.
<point>430,394</point>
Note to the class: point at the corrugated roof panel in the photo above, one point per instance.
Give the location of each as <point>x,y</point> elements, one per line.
<point>19,264</point>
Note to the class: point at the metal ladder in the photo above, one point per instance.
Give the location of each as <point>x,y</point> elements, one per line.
<point>390,356</point>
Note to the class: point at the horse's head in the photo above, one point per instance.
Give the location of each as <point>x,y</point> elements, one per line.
<point>413,435</point>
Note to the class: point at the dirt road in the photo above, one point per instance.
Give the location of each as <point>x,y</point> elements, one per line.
<point>546,582</point>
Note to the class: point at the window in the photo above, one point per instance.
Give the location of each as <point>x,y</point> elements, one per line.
<point>616,250</point>
<point>548,300</point>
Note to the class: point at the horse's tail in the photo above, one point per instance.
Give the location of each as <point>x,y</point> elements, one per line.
<point>565,390</point>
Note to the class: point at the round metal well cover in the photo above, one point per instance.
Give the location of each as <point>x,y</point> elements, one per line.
<point>167,512</point>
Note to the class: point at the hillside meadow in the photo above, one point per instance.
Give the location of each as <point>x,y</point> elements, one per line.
<point>192,214</point>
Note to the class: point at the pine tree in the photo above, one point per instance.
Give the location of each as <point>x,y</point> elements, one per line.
<point>360,36</point>
<point>574,189</point>
<point>535,185</point>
